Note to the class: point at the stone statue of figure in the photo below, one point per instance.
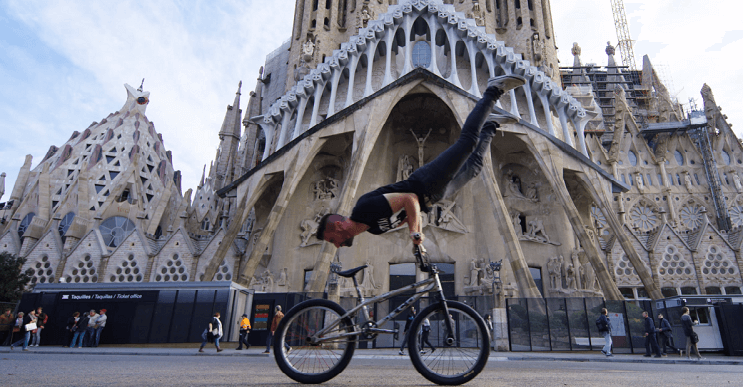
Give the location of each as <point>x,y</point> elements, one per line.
<point>576,49</point>
<point>282,277</point>
<point>474,273</point>
<point>589,276</point>
<point>404,168</point>
<point>421,141</point>
<point>536,227</point>
<point>554,273</point>
<point>517,223</point>
<point>687,181</point>
<point>308,49</point>
<point>368,281</point>
<point>531,192</point>
<point>267,281</point>
<point>640,181</point>
<point>365,16</point>
<point>736,179</point>
<point>576,265</point>
<point>570,277</point>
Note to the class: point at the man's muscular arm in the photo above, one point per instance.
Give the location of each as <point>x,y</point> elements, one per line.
<point>408,201</point>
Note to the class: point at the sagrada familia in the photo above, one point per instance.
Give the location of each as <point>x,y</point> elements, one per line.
<point>605,186</point>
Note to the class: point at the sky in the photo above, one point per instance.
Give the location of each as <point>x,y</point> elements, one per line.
<point>63,64</point>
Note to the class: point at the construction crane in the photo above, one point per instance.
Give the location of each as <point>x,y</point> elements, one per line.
<point>625,41</point>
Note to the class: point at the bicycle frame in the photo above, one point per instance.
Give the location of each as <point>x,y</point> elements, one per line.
<point>431,284</point>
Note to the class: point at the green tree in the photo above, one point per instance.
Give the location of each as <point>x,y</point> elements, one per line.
<point>12,280</point>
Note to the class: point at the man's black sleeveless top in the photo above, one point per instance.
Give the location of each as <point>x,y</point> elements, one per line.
<point>374,210</point>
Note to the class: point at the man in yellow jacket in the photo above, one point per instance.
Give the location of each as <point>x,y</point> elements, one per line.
<point>244,324</point>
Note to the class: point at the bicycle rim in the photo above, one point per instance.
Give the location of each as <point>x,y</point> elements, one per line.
<point>454,363</point>
<point>313,363</point>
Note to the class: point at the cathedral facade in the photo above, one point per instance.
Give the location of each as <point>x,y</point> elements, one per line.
<point>604,187</point>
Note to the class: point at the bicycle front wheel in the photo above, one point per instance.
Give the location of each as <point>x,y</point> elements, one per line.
<point>445,359</point>
<point>307,362</point>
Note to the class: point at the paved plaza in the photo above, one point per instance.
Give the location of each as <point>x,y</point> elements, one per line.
<point>165,366</point>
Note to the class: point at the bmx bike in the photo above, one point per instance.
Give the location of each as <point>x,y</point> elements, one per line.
<point>322,335</point>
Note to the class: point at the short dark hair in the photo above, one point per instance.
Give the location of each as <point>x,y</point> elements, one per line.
<point>684,310</point>
<point>321,227</point>
<point>604,311</point>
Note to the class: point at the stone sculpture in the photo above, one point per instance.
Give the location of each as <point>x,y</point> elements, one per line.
<point>308,49</point>
<point>404,168</point>
<point>421,142</point>
<point>687,181</point>
<point>325,189</point>
<point>309,229</point>
<point>283,277</point>
<point>736,180</point>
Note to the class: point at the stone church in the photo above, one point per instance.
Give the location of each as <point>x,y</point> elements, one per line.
<point>604,187</point>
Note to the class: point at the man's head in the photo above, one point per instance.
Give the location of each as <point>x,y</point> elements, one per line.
<point>92,312</point>
<point>604,311</point>
<point>278,308</point>
<point>660,316</point>
<point>217,315</point>
<point>645,314</point>
<point>684,310</point>
<point>103,311</point>
<point>333,228</point>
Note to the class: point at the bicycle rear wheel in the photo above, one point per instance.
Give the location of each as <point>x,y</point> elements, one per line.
<point>313,363</point>
<point>454,361</point>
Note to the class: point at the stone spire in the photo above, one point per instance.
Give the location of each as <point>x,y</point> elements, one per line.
<point>613,73</point>
<point>2,185</point>
<point>229,141</point>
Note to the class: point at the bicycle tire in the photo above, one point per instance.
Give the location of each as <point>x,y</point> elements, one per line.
<point>303,362</point>
<point>450,364</point>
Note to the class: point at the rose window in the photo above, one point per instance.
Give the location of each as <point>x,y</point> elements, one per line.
<point>128,271</point>
<point>83,271</point>
<point>598,217</point>
<point>624,267</point>
<point>736,216</point>
<point>691,217</point>
<point>674,263</point>
<point>644,218</point>
<point>173,270</point>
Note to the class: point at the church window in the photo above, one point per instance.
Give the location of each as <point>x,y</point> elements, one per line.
<point>631,180</point>
<point>421,54</point>
<point>678,179</point>
<point>714,290</point>
<point>627,293</point>
<point>128,271</point>
<point>23,226</point>
<point>650,180</point>
<point>313,24</point>
<point>733,290</point>
<point>727,181</point>
<point>624,179</point>
<point>314,4</point>
<point>519,22</point>
<point>669,292</point>
<point>726,158</point>
<point>64,225</point>
<point>224,273</point>
<point>679,158</point>
<point>326,22</point>
<point>670,178</point>
<point>530,3</point>
<point>115,229</point>
<point>688,291</point>
<point>536,273</point>
<point>82,272</point>
<point>173,270</point>
<point>42,271</point>
<point>696,177</point>
<point>632,158</point>
<point>517,3</point>
<point>205,224</point>
<point>328,4</point>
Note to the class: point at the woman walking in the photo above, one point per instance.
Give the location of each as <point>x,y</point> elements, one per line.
<point>691,337</point>
<point>213,330</point>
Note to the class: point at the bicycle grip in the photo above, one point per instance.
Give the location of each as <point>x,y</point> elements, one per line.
<point>417,236</point>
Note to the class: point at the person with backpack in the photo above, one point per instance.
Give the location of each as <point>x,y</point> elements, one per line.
<point>408,321</point>
<point>604,326</point>
<point>244,324</point>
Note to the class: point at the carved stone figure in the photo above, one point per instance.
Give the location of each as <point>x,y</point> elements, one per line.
<point>554,272</point>
<point>531,192</point>
<point>516,219</point>
<point>368,285</point>
<point>640,181</point>
<point>475,271</point>
<point>282,277</point>
<point>404,168</point>
<point>536,230</point>
<point>687,181</point>
<point>325,189</point>
<point>421,142</point>
<point>589,276</point>
<point>736,179</point>
<point>446,218</point>
<point>308,49</point>
<point>301,71</point>
<point>267,281</point>
<point>309,229</point>
<point>570,277</point>
<point>365,16</point>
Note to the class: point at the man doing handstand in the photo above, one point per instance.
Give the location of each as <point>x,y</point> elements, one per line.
<point>388,207</point>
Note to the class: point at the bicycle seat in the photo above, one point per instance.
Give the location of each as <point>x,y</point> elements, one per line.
<point>351,272</point>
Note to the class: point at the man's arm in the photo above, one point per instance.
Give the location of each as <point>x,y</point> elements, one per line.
<point>408,201</point>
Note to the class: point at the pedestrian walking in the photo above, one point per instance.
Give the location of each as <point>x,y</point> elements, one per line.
<point>213,332</point>
<point>426,331</point>
<point>408,321</point>
<point>604,326</point>
<point>277,316</point>
<point>691,337</point>
<point>244,324</point>
<point>650,341</point>
<point>7,322</point>
<point>665,335</point>
<point>491,330</point>
<point>27,323</point>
